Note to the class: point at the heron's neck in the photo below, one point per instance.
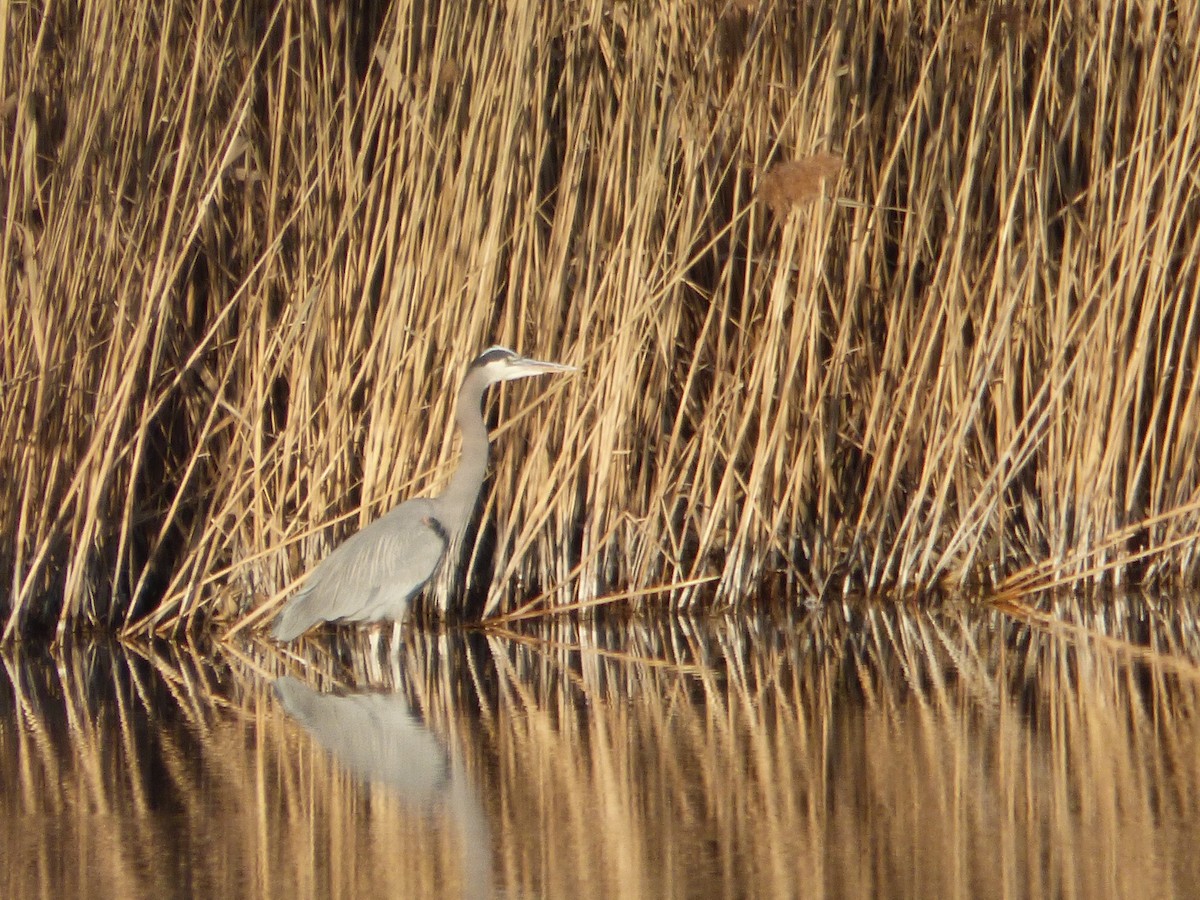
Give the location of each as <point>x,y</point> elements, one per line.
<point>457,502</point>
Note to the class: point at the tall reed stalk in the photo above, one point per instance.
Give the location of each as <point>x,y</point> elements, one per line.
<point>883,296</point>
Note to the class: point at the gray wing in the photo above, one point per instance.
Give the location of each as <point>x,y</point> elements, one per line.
<point>372,575</point>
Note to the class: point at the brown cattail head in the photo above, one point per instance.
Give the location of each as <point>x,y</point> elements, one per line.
<point>790,184</point>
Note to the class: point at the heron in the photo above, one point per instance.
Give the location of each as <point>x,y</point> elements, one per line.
<point>374,574</point>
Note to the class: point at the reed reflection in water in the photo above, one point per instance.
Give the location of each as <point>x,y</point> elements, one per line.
<point>871,751</point>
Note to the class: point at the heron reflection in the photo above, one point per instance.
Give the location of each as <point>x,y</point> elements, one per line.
<point>377,739</point>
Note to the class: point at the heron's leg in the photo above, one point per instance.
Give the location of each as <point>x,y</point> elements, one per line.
<point>397,640</point>
<point>374,636</point>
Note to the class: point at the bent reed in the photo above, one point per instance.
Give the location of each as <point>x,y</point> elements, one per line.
<point>880,297</point>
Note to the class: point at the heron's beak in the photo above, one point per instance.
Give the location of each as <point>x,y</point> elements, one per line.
<point>523,368</point>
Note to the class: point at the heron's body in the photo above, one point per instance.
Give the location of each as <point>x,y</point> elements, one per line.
<point>374,574</point>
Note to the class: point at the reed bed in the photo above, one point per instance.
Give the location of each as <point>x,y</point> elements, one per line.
<point>853,751</point>
<point>874,295</point>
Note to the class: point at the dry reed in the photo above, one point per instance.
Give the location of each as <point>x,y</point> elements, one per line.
<point>248,252</point>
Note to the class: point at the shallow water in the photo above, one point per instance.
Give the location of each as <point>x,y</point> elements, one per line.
<point>847,752</point>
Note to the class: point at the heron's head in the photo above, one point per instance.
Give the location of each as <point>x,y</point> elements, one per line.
<point>501,364</point>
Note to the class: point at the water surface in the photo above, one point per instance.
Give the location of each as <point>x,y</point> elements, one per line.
<point>849,751</point>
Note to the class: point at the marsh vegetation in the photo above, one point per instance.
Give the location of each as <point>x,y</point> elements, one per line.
<point>871,296</point>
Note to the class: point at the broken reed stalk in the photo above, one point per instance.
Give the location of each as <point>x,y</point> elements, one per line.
<point>875,296</point>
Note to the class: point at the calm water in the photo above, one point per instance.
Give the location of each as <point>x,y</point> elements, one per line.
<point>849,752</point>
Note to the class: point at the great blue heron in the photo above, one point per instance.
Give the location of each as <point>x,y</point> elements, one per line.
<point>375,573</point>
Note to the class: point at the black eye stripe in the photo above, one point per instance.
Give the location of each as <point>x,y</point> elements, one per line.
<point>495,354</point>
